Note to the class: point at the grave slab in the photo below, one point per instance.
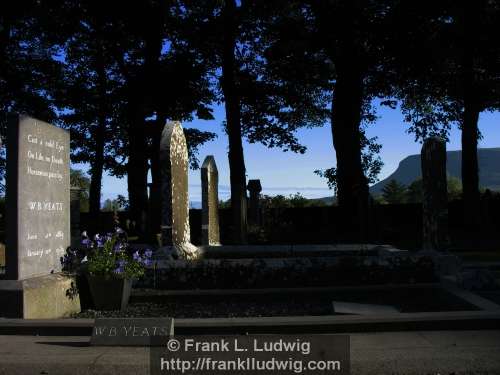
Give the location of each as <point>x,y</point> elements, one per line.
<point>362,308</point>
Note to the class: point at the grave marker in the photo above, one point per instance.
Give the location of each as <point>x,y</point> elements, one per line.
<point>210,202</point>
<point>131,331</point>
<point>37,222</point>
<point>435,194</point>
<point>174,163</point>
<point>38,197</point>
<point>254,187</point>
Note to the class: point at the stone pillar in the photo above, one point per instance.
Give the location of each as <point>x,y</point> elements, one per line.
<point>210,202</point>
<point>75,192</point>
<point>174,164</point>
<point>254,188</point>
<point>435,194</point>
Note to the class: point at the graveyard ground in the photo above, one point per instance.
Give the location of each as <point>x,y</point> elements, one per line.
<point>419,352</point>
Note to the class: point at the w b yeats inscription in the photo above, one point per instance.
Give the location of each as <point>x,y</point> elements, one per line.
<point>38,197</point>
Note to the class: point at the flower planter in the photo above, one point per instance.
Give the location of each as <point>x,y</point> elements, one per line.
<point>82,284</point>
<point>110,293</point>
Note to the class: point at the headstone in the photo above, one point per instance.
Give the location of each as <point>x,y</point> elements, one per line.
<point>75,193</point>
<point>38,197</point>
<point>435,194</point>
<point>2,258</point>
<point>131,332</point>
<point>175,231</point>
<point>362,308</point>
<point>254,187</point>
<point>210,202</point>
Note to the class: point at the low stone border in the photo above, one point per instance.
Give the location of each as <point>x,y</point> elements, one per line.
<point>223,292</point>
<point>285,251</point>
<point>47,327</point>
<point>282,272</point>
<point>463,320</point>
<point>270,251</point>
<point>341,323</point>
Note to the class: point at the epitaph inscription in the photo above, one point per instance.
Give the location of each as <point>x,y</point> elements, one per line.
<point>38,196</point>
<point>131,332</point>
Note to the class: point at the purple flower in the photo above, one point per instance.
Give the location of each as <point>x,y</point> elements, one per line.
<point>86,242</point>
<point>121,267</point>
<point>118,247</point>
<point>148,253</point>
<point>136,256</point>
<point>99,240</point>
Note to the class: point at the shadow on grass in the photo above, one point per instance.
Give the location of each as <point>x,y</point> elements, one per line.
<point>79,344</point>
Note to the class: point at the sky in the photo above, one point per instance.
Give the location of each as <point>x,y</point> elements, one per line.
<point>289,173</point>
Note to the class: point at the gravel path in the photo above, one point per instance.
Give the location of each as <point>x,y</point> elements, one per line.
<point>229,306</point>
<point>217,309</point>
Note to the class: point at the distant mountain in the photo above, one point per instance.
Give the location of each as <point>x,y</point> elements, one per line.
<point>409,169</point>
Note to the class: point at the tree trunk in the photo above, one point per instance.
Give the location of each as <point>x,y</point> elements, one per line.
<point>140,99</point>
<point>137,167</point>
<point>470,169</point>
<point>5,36</point>
<point>155,191</point>
<point>97,165</point>
<point>352,185</point>
<point>233,118</point>
<point>347,54</point>
<point>96,173</point>
<point>470,131</point>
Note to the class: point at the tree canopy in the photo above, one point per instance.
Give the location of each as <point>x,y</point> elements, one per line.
<point>113,73</point>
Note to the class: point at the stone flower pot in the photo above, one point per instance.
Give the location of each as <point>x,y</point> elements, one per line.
<point>82,284</point>
<point>109,293</point>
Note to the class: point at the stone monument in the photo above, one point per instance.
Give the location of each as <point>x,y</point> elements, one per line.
<point>435,194</point>
<point>254,188</point>
<point>210,202</point>
<point>37,220</point>
<point>174,164</point>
